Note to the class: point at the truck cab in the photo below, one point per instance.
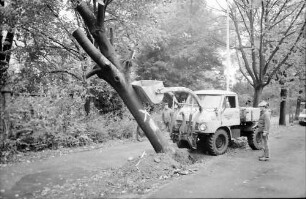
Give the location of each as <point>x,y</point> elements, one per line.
<point>215,123</point>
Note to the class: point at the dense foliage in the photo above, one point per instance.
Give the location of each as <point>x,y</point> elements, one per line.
<point>187,53</point>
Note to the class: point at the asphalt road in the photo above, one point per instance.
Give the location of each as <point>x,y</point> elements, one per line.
<point>240,174</point>
<point>22,180</point>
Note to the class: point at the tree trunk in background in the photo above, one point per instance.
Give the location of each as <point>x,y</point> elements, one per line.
<point>5,114</point>
<point>298,106</point>
<point>5,56</point>
<point>2,128</point>
<point>283,104</point>
<point>109,69</point>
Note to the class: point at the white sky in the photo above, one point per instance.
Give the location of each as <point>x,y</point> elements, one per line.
<point>216,3</point>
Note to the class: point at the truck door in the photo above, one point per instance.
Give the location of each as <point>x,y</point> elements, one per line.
<point>230,111</point>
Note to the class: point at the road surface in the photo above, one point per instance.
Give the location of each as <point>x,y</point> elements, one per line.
<point>23,179</point>
<point>242,175</point>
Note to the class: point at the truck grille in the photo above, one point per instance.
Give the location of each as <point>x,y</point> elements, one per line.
<point>178,124</point>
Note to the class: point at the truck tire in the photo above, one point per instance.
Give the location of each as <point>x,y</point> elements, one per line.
<point>218,142</point>
<point>255,140</point>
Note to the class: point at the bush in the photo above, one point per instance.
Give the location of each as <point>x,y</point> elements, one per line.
<point>8,150</point>
<point>112,126</point>
<point>56,119</point>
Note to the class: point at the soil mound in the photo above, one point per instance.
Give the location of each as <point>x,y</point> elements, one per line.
<point>144,173</point>
<point>138,176</point>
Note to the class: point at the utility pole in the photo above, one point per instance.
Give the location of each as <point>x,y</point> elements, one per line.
<point>228,61</point>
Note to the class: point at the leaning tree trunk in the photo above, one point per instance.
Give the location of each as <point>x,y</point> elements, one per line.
<point>283,105</point>
<point>108,68</point>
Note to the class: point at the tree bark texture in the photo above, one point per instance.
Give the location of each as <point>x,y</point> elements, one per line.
<point>298,104</point>
<point>2,128</point>
<point>5,122</point>
<point>5,55</point>
<point>257,95</point>
<point>283,104</point>
<point>6,42</point>
<point>298,108</point>
<point>109,69</point>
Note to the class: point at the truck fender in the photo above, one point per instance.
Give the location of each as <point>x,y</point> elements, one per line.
<point>228,130</point>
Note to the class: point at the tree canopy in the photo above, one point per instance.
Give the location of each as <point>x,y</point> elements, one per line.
<point>187,54</point>
<point>268,34</point>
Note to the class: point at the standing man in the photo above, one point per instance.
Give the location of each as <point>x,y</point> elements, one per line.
<point>264,128</point>
<point>166,116</point>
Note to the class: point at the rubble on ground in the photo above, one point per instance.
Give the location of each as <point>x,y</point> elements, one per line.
<point>138,176</point>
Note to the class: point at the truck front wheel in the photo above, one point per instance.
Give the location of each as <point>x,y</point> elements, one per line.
<point>255,140</point>
<point>218,142</point>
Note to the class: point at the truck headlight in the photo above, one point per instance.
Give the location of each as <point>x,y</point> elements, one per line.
<point>202,127</point>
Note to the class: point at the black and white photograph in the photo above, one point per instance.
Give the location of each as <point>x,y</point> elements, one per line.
<point>152,99</point>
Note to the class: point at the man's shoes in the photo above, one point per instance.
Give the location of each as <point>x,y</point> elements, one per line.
<point>264,158</point>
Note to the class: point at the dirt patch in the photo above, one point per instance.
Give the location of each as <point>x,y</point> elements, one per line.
<point>138,176</point>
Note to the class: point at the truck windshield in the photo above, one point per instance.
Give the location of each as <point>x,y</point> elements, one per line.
<point>207,101</point>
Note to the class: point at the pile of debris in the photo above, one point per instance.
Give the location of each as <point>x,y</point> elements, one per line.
<point>241,142</point>
<point>137,177</point>
<point>142,174</point>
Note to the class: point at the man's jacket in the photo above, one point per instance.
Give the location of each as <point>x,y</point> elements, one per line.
<point>264,121</point>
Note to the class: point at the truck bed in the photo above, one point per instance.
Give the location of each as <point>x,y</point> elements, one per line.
<point>249,114</point>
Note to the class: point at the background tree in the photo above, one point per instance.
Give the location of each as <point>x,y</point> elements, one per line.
<point>187,53</point>
<point>299,62</point>
<point>267,33</point>
<point>289,79</point>
<point>7,32</point>
<point>40,45</point>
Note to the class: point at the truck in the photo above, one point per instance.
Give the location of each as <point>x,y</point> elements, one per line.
<point>208,119</point>
<point>212,119</point>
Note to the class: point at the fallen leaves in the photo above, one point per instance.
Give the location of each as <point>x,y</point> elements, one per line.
<point>138,176</point>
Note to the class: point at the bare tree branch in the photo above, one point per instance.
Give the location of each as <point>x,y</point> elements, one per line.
<point>72,51</point>
<point>243,19</point>
<point>101,16</point>
<point>63,26</point>
<point>281,9</point>
<point>287,56</point>
<point>271,7</point>
<point>247,66</point>
<point>252,40</point>
<point>241,70</point>
<point>283,38</point>
<point>261,38</point>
